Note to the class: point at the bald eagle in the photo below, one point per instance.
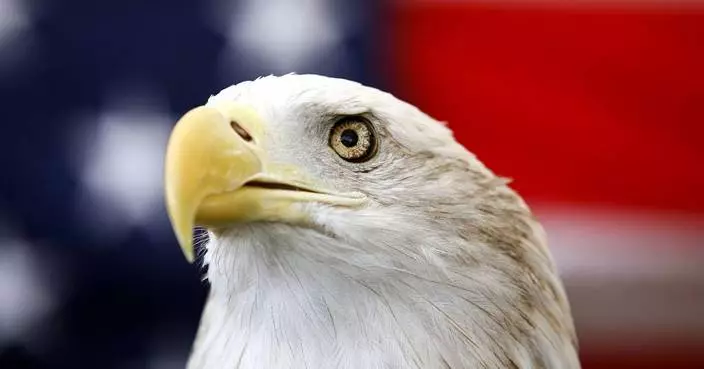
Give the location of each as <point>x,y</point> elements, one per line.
<point>348,229</point>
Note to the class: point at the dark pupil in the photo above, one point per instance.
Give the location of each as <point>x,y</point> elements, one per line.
<point>349,138</point>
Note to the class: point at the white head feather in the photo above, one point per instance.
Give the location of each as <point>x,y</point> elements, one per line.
<point>445,269</point>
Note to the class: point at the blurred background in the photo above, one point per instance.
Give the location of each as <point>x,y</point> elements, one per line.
<point>596,109</point>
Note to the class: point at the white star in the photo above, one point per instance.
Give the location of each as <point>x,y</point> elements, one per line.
<point>121,167</point>
<point>27,295</point>
<point>282,36</point>
<point>16,41</point>
<point>14,19</point>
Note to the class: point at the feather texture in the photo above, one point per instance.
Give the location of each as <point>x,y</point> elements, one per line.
<point>446,268</point>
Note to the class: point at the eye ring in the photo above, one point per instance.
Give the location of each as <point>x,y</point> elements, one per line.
<point>353,139</point>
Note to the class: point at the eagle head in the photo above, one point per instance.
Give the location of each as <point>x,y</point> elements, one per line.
<point>348,229</point>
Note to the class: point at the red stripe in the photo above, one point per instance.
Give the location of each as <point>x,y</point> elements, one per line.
<point>583,106</point>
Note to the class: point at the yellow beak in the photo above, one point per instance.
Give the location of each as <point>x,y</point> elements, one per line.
<point>218,174</point>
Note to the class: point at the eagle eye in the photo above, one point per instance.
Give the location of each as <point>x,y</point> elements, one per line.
<point>353,139</point>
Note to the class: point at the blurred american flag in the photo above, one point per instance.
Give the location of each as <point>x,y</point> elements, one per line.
<point>594,108</point>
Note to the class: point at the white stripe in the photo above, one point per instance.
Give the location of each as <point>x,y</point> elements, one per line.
<point>630,274</point>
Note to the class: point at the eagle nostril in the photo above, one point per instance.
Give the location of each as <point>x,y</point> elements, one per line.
<point>241,131</point>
